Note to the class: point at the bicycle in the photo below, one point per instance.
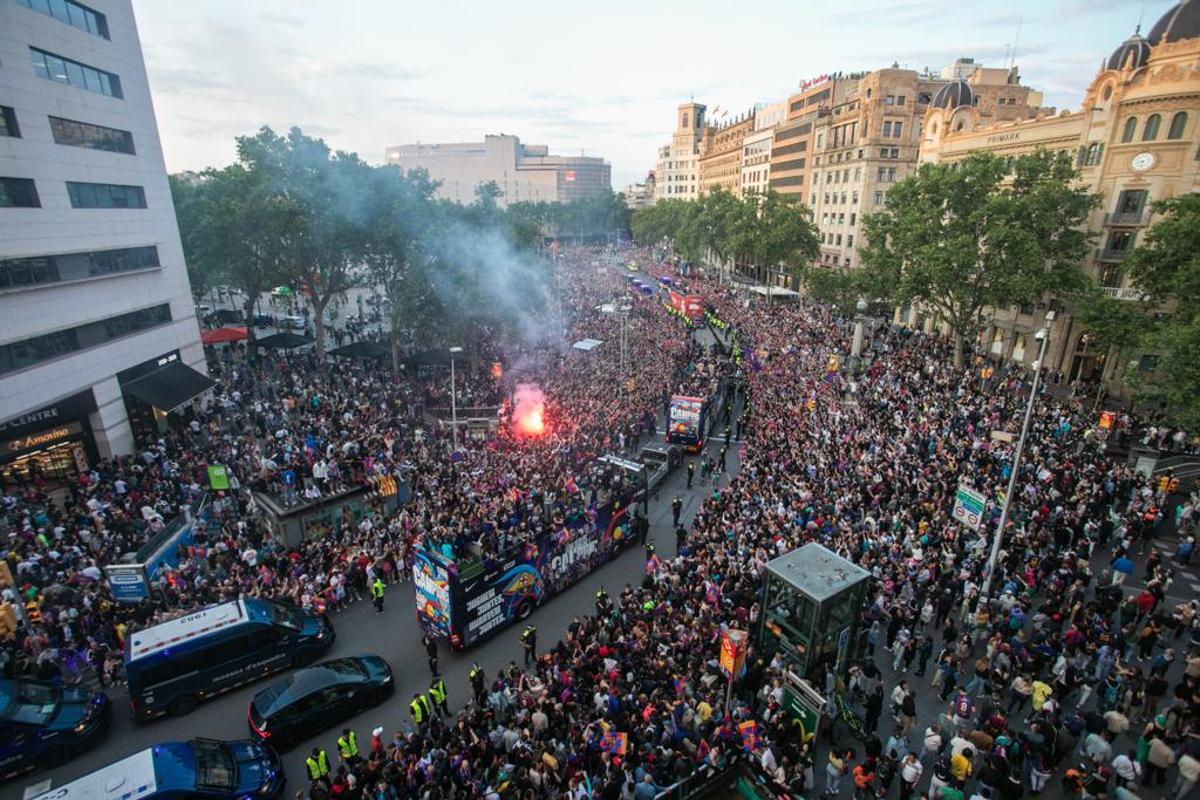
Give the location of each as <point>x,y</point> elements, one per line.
<point>850,718</point>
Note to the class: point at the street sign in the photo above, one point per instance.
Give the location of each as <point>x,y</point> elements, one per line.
<point>968,506</point>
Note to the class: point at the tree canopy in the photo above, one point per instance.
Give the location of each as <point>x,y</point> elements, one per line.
<point>981,233</point>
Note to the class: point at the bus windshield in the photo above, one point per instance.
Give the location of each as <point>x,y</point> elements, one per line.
<point>287,616</point>
<point>215,767</point>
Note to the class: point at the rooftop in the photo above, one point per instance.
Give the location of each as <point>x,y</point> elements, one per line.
<point>817,571</point>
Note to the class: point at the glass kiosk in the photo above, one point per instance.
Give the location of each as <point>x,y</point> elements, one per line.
<point>811,615</point>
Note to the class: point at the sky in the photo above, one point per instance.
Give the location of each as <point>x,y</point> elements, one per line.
<point>601,79</point>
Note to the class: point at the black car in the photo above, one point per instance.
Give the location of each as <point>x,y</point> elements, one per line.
<point>224,316</point>
<point>317,698</point>
<point>44,724</point>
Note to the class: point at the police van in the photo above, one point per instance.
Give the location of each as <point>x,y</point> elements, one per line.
<point>174,665</point>
<point>201,769</point>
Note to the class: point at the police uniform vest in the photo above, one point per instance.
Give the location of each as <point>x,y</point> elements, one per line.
<point>420,708</point>
<point>437,691</point>
<point>317,767</point>
<point>377,588</point>
<point>348,745</point>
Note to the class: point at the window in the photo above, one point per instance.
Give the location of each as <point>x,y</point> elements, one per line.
<point>1091,155</point>
<point>95,137</point>
<point>8,123</point>
<point>1178,123</point>
<point>881,175</point>
<point>71,13</point>
<point>1130,129</point>
<point>854,216</point>
<point>16,273</point>
<point>827,198</point>
<point>105,195</point>
<point>887,129</point>
<point>81,76</point>
<point>850,236</point>
<point>28,352</point>
<point>890,100</point>
<point>891,174</point>
<point>18,193</point>
<point>879,198</point>
<point>1132,201</point>
<point>900,100</point>
<point>1120,242</point>
<point>838,239</point>
<point>1150,132</point>
<point>897,129</point>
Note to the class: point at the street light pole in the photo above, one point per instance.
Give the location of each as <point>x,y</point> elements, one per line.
<point>454,398</point>
<point>1043,335</point>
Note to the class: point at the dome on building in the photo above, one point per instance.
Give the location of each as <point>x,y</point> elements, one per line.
<point>954,95</point>
<point>1135,48</point>
<point>1181,22</point>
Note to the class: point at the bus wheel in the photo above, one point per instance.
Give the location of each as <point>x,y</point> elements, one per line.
<point>524,609</point>
<point>184,704</point>
<point>301,660</point>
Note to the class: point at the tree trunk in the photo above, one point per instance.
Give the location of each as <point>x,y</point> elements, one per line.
<point>318,306</point>
<point>958,349</point>
<point>395,344</point>
<point>248,315</point>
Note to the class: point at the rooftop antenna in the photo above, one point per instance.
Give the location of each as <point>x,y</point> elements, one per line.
<point>1015,41</point>
<point>1141,14</point>
<point>1007,51</point>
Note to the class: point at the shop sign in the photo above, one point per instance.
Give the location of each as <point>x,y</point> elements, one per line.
<point>218,477</point>
<point>42,438</point>
<point>69,408</point>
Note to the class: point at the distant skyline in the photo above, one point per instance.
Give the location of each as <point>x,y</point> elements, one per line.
<point>366,74</point>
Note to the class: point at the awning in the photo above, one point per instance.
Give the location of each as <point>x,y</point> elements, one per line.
<point>361,349</point>
<point>170,387</point>
<point>587,345</point>
<point>284,341</point>
<point>427,358</point>
<point>223,335</point>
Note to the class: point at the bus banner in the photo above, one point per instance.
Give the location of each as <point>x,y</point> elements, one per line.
<point>433,594</point>
<point>684,420</point>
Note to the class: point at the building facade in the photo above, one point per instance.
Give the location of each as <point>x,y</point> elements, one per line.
<point>871,138</point>
<point>98,331</point>
<point>677,171</point>
<point>721,155</point>
<point>523,173</point>
<point>756,162</point>
<point>641,195</point>
<point>1135,140</point>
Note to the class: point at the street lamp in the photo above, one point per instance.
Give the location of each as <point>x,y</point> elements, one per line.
<point>454,397</point>
<point>1042,336</point>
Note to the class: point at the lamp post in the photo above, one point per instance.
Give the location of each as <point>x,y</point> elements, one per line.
<point>1043,336</point>
<point>454,397</point>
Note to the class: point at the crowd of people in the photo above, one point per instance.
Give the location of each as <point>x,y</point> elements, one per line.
<point>1064,679</point>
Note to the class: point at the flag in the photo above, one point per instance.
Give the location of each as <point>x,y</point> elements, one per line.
<point>749,731</point>
<point>614,742</point>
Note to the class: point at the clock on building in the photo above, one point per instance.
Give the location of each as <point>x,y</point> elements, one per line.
<point>1142,161</point>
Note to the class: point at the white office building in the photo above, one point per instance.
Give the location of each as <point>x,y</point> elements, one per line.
<point>99,344</point>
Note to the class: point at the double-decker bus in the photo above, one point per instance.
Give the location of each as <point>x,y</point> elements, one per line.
<point>465,598</point>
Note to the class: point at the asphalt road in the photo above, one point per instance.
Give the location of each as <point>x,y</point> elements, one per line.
<point>396,637</point>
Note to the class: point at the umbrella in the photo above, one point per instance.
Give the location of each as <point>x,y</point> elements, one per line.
<point>282,291</point>
<point>223,335</point>
<point>284,341</point>
<point>361,349</point>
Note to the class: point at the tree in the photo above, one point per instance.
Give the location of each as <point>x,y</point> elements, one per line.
<point>964,237</point>
<point>775,230</point>
<point>235,231</point>
<point>328,235</point>
<point>838,287</point>
<point>1166,268</point>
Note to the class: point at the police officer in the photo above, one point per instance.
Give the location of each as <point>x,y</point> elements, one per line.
<point>432,652</point>
<point>529,642</point>
<point>741,425</point>
<point>676,508</point>
<point>437,694</point>
<point>603,604</point>
<point>419,707</point>
<point>317,765</point>
<point>728,432</point>
<point>721,459</point>
<point>347,745</point>
<point>377,595</point>
<point>691,469</point>
<point>478,681</point>
<point>680,537</point>
<point>641,526</point>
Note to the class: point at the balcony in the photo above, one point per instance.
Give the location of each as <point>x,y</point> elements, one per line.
<point>1128,293</point>
<point>1110,254</point>
<point>1127,218</point>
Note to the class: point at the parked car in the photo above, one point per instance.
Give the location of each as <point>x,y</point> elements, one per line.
<point>292,322</point>
<point>44,724</point>
<point>317,698</point>
<point>225,316</point>
<point>263,320</point>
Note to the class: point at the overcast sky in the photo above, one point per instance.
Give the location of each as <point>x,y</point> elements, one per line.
<point>602,78</point>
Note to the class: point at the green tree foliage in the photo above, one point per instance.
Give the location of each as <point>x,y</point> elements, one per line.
<point>1165,267</point>
<point>236,230</point>
<point>961,238</point>
<point>837,287</point>
<point>775,230</point>
<point>584,220</point>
